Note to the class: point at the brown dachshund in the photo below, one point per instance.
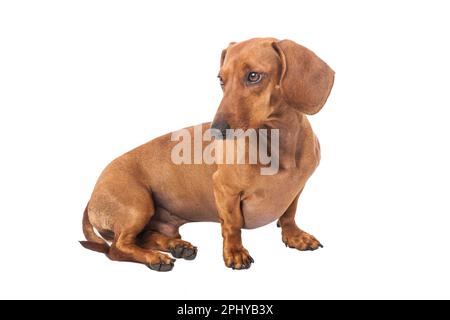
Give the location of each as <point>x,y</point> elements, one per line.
<point>143,197</point>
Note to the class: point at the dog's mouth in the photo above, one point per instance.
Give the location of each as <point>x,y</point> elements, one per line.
<point>221,134</point>
<point>225,134</point>
<point>220,129</point>
<point>233,133</point>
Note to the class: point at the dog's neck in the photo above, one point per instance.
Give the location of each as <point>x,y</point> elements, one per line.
<point>290,123</point>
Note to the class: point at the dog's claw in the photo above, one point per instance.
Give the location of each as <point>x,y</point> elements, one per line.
<point>247,266</point>
<point>243,266</point>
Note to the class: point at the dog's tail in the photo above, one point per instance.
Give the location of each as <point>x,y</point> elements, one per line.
<point>94,242</point>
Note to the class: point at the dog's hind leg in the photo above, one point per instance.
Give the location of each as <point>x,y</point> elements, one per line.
<point>126,211</point>
<point>162,234</point>
<point>125,248</point>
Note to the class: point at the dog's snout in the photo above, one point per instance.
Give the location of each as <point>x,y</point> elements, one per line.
<point>221,128</point>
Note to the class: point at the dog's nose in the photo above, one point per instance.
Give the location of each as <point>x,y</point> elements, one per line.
<point>221,126</point>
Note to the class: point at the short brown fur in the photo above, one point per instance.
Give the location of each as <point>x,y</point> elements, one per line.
<point>142,198</point>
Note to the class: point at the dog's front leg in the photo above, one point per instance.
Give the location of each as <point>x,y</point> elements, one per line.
<point>292,235</point>
<point>228,202</point>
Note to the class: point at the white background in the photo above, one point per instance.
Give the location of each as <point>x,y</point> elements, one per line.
<point>82,82</point>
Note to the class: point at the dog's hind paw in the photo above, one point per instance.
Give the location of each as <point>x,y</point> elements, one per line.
<point>184,250</point>
<point>162,266</point>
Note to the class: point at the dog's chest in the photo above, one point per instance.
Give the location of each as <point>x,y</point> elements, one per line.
<point>269,199</point>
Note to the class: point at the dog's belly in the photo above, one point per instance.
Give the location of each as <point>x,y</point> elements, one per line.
<point>264,202</point>
<point>191,209</point>
<point>257,212</point>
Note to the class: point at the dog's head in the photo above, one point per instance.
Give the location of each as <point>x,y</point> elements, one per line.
<point>259,75</point>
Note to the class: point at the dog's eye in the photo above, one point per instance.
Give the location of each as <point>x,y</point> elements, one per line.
<point>254,77</point>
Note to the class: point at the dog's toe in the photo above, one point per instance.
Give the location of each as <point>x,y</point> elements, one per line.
<point>183,251</point>
<point>300,240</point>
<point>177,251</point>
<point>190,253</point>
<point>163,267</point>
<point>237,259</point>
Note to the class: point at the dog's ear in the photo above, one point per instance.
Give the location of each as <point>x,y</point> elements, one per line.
<point>224,53</point>
<point>305,79</point>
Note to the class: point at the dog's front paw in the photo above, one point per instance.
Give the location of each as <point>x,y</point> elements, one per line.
<point>299,239</point>
<point>237,258</point>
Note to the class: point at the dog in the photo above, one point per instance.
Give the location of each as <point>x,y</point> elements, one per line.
<point>142,198</point>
